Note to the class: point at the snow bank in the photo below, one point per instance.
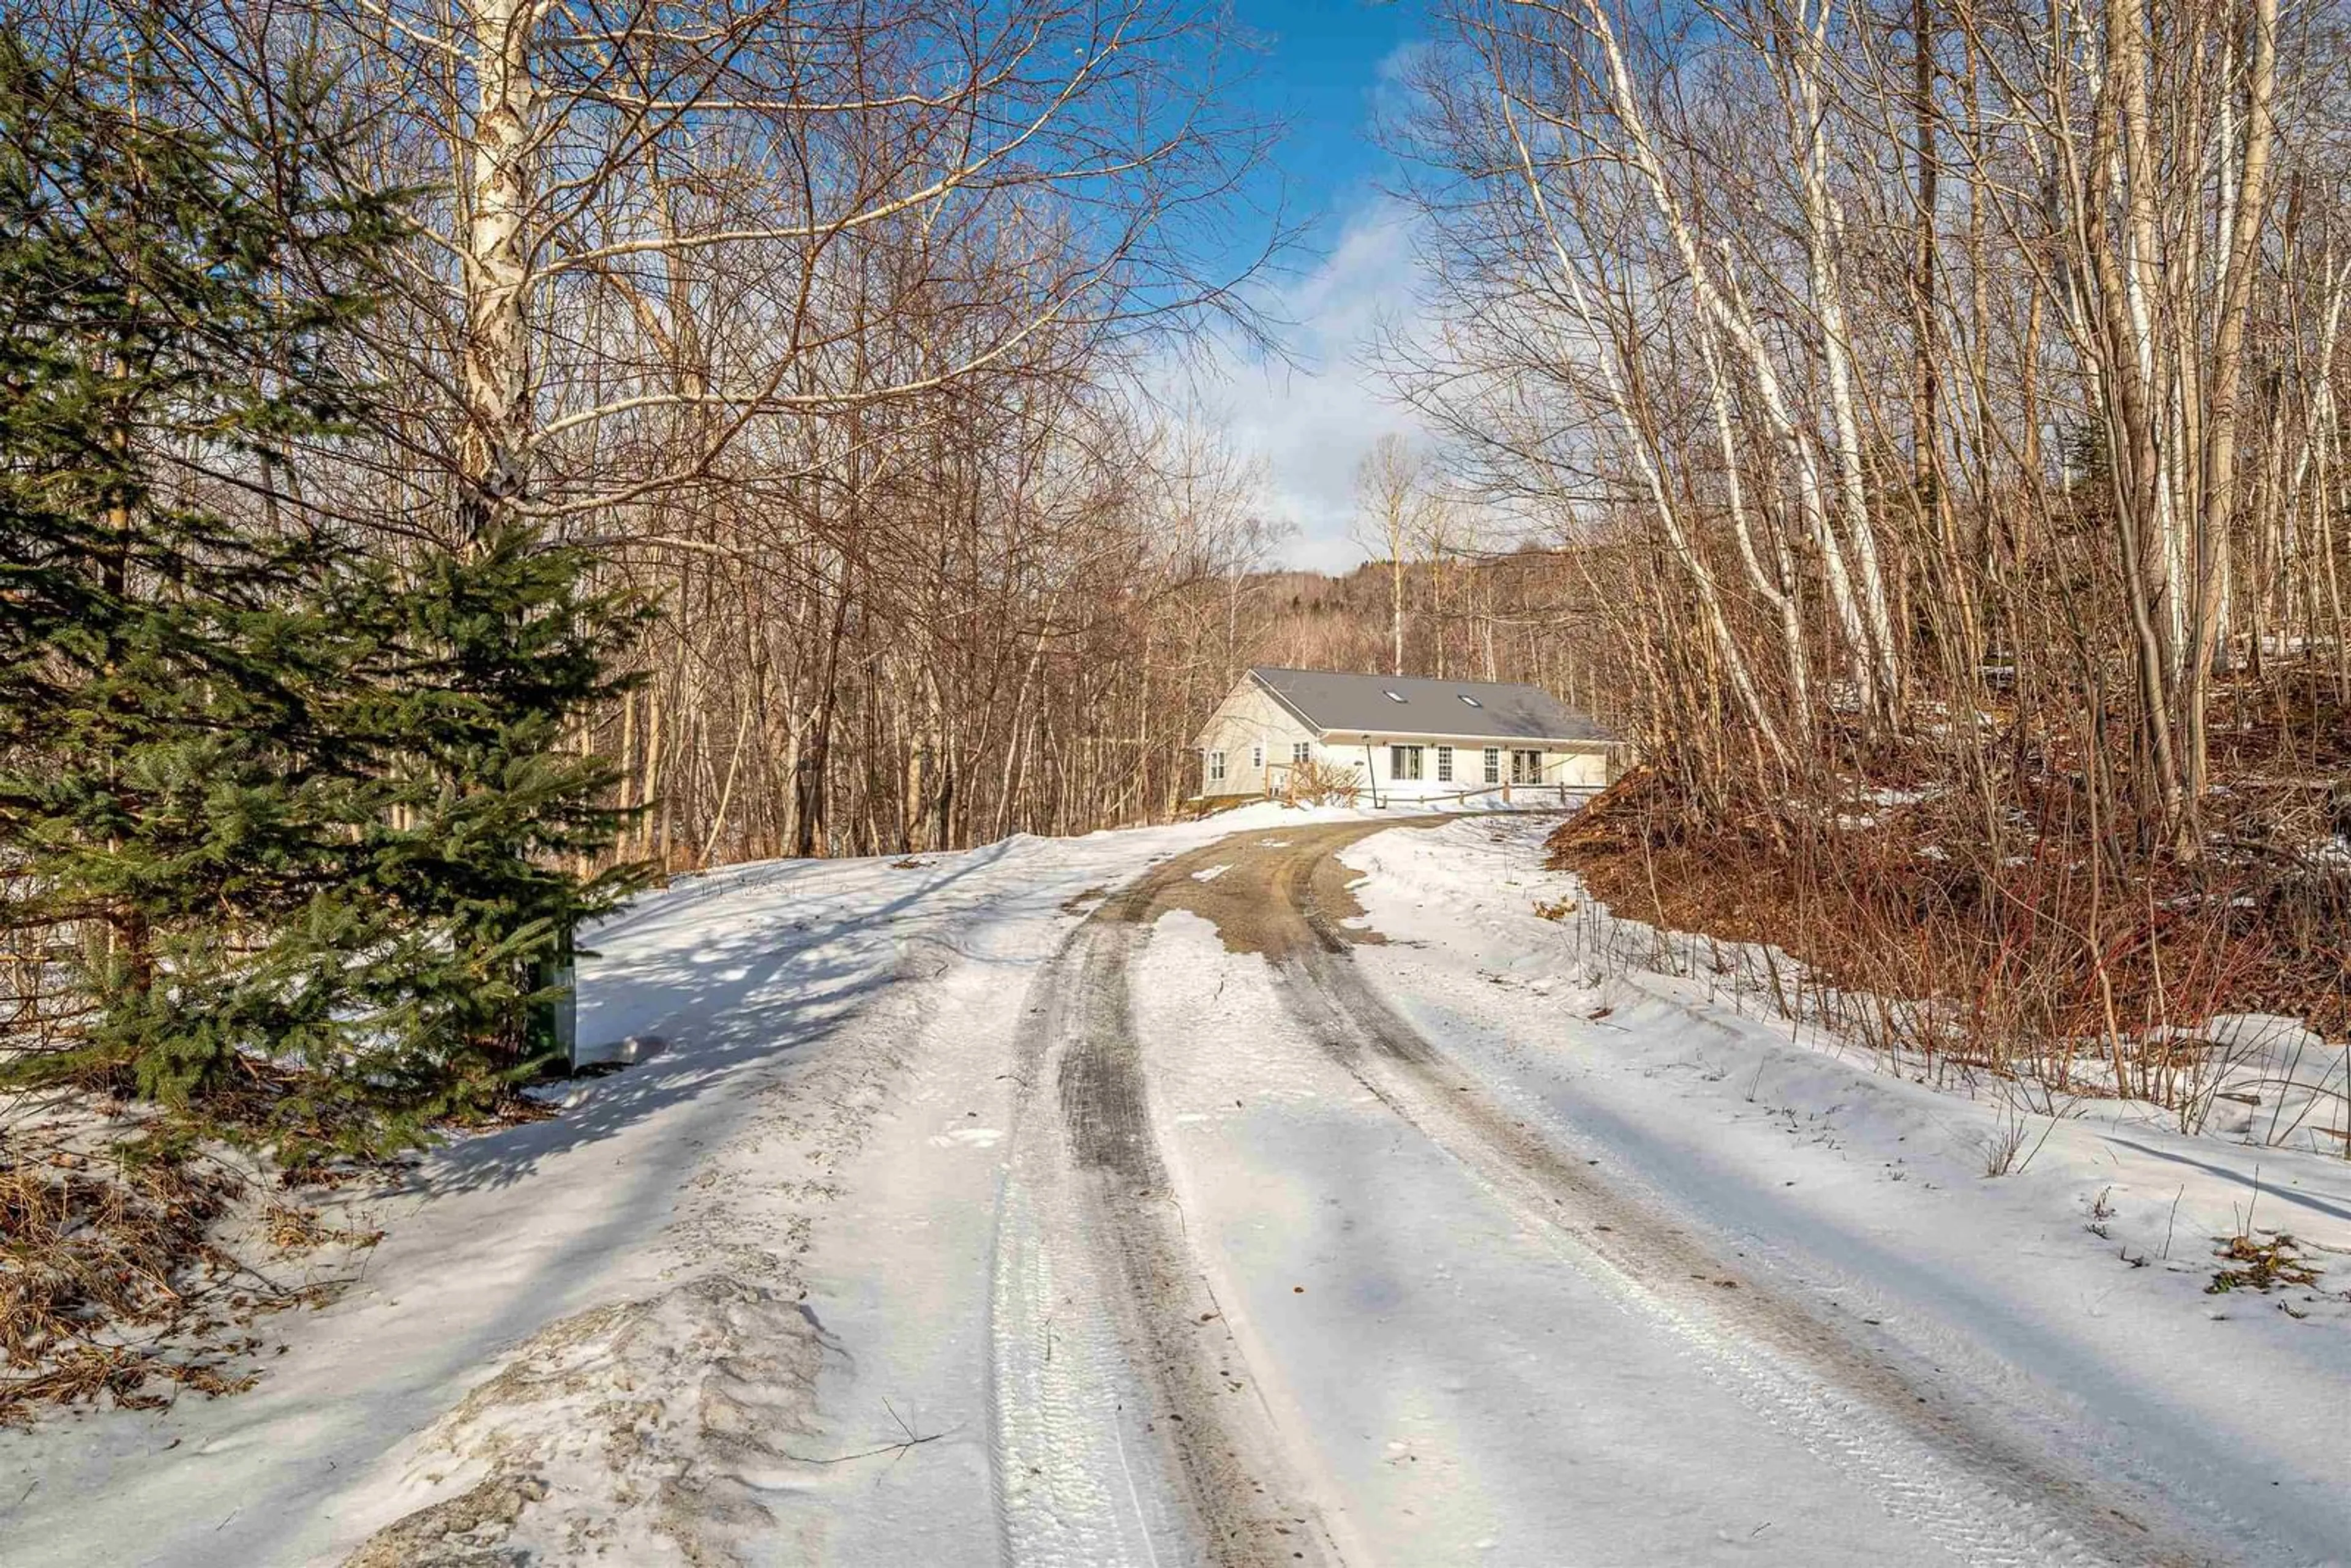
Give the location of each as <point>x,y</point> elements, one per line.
<point>2070,1259</point>
<point>680,1407</point>
<point>587,1297</point>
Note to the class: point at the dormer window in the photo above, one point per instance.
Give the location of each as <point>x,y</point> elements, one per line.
<point>1395,696</point>
<point>1465,697</point>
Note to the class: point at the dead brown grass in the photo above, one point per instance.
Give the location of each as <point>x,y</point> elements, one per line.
<point>2040,948</point>
<point>290,1227</point>
<point>115,1284</point>
<point>109,1285</point>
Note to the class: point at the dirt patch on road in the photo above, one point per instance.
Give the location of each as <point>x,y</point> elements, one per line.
<point>1253,890</point>
<point>1222,1465</point>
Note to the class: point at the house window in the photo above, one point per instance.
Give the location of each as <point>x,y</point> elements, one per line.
<point>1404,762</point>
<point>1445,765</point>
<point>1302,752</point>
<point>1216,767</point>
<point>1493,765</point>
<point>1526,767</point>
<point>1256,758</point>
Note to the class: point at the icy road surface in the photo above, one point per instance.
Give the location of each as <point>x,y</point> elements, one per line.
<point>1065,1204</point>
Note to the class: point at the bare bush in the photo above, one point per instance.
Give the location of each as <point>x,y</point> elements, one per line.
<point>1321,783</point>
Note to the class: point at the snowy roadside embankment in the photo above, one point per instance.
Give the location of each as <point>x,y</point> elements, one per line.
<point>1459,1248</point>
<point>2092,1285</point>
<point>592,1333</point>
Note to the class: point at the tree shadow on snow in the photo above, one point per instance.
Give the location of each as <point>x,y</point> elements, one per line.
<point>2331,1205</point>
<point>736,997</point>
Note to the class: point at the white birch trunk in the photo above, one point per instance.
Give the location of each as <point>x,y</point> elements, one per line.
<point>494,373</point>
<point>1828,302</point>
<point>1637,436</point>
<point>1624,103</point>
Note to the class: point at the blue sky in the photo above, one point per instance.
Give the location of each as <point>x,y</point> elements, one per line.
<point>1322,66</point>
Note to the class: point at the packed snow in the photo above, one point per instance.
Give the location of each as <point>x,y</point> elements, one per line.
<point>747,1299</point>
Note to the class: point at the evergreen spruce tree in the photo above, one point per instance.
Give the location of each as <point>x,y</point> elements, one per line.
<point>168,784</point>
<point>304,804</point>
<point>504,646</point>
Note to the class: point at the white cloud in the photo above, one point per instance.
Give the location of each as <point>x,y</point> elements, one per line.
<point>1313,421</point>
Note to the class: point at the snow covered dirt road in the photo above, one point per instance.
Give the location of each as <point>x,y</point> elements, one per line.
<point>1292,1194</point>
<point>1292,1311</point>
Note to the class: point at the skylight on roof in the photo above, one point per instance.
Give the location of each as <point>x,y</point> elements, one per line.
<point>1465,697</point>
<point>1395,696</point>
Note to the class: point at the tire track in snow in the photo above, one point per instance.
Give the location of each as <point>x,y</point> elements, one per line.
<point>1973,1490</point>
<point>1128,1428</point>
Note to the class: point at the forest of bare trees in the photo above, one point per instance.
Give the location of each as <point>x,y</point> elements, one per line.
<point>827,329</point>
<point>813,322</point>
<point>1924,351</point>
<point>1933,396</point>
<point>1941,399</point>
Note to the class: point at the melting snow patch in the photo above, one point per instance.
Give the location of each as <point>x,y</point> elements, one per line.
<point>1211,874</point>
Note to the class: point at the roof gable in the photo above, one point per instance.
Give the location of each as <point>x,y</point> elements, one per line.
<point>1410,704</point>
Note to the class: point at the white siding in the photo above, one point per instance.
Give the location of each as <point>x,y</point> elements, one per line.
<point>1583,767</point>
<point>1251,724</point>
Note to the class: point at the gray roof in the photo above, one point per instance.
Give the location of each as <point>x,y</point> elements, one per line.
<point>1407,704</point>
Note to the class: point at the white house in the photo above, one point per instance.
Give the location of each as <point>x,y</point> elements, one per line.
<point>1403,738</point>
